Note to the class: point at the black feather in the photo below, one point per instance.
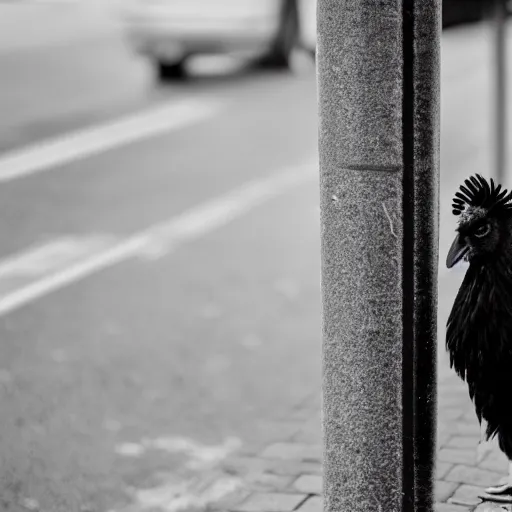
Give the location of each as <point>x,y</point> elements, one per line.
<point>477,192</point>
<point>479,342</point>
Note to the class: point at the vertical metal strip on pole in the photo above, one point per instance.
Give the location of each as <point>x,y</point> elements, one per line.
<point>421,174</point>
<point>378,77</point>
<point>408,246</point>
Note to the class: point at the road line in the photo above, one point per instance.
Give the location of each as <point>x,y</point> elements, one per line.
<point>164,237</point>
<point>77,145</point>
<point>51,256</point>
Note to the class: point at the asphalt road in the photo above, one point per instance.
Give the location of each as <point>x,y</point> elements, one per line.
<point>159,272</point>
<point>124,368</point>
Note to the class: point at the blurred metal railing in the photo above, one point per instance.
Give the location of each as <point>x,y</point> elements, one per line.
<point>499,13</point>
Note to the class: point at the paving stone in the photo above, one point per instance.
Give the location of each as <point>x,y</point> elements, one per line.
<point>458,441</point>
<point>466,495</point>
<point>472,476</point>
<point>280,430</point>
<point>268,481</point>
<point>244,465</point>
<point>457,456</point>
<point>457,390</point>
<point>270,502</point>
<point>493,507</point>
<point>442,469</point>
<point>288,468</point>
<point>313,504</point>
<point>313,424</point>
<point>495,461</point>
<point>308,436</point>
<point>448,377</point>
<point>469,415</point>
<point>311,432</point>
<point>302,413</point>
<point>309,484</point>
<point>467,429</point>
<point>442,439</point>
<point>453,413</point>
<point>449,507</point>
<point>294,451</point>
<point>230,501</point>
<point>444,490</point>
<point>461,428</point>
<point>450,402</point>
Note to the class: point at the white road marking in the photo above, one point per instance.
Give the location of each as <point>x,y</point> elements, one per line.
<point>51,256</point>
<point>160,239</point>
<point>46,155</point>
<point>22,269</point>
<point>41,287</point>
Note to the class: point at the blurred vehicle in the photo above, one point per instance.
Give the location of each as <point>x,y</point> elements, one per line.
<point>170,31</point>
<point>458,12</point>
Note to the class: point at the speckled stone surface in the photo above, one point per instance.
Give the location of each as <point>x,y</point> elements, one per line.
<point>362,165</point>
<point>362,385</point>
<point>360,97</point>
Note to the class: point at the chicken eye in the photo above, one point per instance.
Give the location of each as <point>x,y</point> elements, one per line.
<point>483,230</point>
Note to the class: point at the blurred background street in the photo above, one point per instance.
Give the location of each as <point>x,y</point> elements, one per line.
<point>159,258</point>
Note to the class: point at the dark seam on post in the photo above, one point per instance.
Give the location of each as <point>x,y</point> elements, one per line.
<point>408,129</point>
<point>370,167</point>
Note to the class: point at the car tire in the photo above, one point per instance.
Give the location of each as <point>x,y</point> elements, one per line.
<point>170,70</point>
<point>286,40</point>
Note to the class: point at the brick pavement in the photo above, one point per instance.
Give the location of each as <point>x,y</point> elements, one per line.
<point>285,475</point>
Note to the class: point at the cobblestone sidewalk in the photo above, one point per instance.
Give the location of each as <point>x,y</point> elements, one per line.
<point>286,475</point>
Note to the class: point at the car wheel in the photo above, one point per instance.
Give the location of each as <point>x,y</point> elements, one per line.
<point>170,70</point>
<point>279,56</point>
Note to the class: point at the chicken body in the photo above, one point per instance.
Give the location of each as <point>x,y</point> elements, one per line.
<point>479,342</point>
<point>479,328</point>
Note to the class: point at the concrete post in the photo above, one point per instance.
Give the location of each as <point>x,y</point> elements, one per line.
<point>378,77</point>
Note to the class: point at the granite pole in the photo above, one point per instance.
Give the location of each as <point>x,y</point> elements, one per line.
<point>378,90</point>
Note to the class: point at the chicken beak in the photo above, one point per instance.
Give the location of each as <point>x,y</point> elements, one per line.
<point>457,251</point>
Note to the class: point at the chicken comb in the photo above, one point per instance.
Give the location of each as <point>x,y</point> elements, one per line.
<point>477,192</point>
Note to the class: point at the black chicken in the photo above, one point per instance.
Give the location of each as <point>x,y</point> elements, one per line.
<point>479,328</point>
